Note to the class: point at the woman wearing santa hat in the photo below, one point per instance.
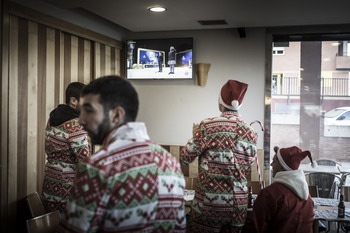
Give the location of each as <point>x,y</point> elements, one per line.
<point>225,146</point>
<point>285,205</point>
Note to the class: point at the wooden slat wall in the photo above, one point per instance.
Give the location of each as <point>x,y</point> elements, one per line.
<point>42,62</point>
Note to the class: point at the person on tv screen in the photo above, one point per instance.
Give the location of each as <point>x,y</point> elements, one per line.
<point>171,59</point>
<point>225,146</point>
<point>160,62</point>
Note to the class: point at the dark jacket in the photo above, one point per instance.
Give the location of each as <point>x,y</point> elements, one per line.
<point>62,114</point>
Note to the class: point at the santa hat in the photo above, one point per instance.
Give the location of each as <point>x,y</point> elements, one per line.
<point>232,94</point>
<point>291,157</point>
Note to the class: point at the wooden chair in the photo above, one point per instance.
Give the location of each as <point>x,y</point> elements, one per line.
<point>313,190</point>
<point>35,205</point>
<point>191,183</point>
<point>256,186</point>
<point>46,223</point>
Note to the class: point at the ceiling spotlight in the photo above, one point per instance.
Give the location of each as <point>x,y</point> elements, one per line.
<point>157,9</point>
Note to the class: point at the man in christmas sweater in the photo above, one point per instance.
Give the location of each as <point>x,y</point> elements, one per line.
<point>225,147</point>
<point>66,144</point>
<point>285,205</point>
<point>130,185</point>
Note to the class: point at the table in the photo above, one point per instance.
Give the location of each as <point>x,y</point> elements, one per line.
<point>307,168</point>
<point>327,209</point>
<point>189,196</point>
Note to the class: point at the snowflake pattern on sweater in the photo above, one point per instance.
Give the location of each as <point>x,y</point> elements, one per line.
<point>131,185</point>
<point>226,147</point>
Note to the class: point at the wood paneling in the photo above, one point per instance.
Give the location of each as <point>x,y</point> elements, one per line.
<point>42,61</point>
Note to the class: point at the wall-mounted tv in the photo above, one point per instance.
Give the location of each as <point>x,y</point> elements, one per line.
<point>159,58</point>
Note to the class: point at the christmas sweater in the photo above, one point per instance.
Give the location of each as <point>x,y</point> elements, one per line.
<point>225,147</point>
<point>66,145</point>
<point>131,185</point>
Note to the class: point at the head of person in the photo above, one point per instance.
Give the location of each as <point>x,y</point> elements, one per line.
<point>73,92</point>
<point>288,159</point>
<point>172,48</point>
<point>107,103</point>
<point>231,95</point>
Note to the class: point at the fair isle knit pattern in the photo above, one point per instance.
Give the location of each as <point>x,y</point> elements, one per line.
<point>65,146</point>
<point>130,185</point>
<point>226,147</point>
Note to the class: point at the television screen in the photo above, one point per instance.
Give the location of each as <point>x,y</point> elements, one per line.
<point>159,58</point>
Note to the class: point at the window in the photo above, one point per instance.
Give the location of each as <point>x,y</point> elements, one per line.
<point>310,99</point>
<point>278,51</point>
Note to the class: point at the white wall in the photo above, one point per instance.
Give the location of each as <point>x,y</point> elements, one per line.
<point>169,108</point>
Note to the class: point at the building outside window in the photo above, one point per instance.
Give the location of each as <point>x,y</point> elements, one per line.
<point>310,98</point>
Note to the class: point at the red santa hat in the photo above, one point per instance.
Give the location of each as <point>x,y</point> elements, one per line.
<point>290,158</point>
<point>232,94</point>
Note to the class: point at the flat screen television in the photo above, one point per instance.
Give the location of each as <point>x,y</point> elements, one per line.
<point>159,58</point>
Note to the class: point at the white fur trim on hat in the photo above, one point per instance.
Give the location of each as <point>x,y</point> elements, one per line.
<point>235,104</point>
<point>280,159</point>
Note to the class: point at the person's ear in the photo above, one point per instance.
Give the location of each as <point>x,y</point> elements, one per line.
<point>73,102</point>
<point>221,108</point>
<point>117,115</point>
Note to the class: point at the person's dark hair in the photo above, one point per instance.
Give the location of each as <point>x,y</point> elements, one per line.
<point>74,89</point>
<point>115,91</point>
<point>276,148</point>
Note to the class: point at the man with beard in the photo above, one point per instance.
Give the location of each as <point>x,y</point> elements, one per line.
<point>66,144</point>
<point>132,184</point>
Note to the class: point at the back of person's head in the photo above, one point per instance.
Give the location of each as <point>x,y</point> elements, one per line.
<point>232,94</point>
<point>115,91</point>
<point>291,157</point>
<point>74,89</point>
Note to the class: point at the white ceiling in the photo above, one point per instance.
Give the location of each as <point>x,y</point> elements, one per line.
<point>184,14</point>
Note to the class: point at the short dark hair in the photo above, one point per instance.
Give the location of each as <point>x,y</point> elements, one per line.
<point>74,89</point>
<point>115,91</point>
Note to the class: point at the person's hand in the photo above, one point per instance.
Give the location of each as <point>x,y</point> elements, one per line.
<point>195,127</point>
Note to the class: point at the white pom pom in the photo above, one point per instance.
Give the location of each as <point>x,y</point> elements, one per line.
<point>313,164</point>
<point>234,103</point>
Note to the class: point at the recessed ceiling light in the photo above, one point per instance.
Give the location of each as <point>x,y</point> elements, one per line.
<point>157,9</point>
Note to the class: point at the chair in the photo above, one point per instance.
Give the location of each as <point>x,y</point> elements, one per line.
<point>46,223</point>
<point>313,190</point>
<point>191,183</point>
<point>328,184</point>
<point>256,186</point>
<point>327,162</point>
<point>35,205</point>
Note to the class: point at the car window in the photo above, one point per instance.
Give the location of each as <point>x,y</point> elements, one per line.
<point>334,113</point>
<point>345,116</point>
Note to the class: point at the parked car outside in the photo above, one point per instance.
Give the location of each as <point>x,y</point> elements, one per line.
<point>337,122</point>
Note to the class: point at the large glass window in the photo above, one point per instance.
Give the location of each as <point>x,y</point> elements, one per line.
<point>310,98</point>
